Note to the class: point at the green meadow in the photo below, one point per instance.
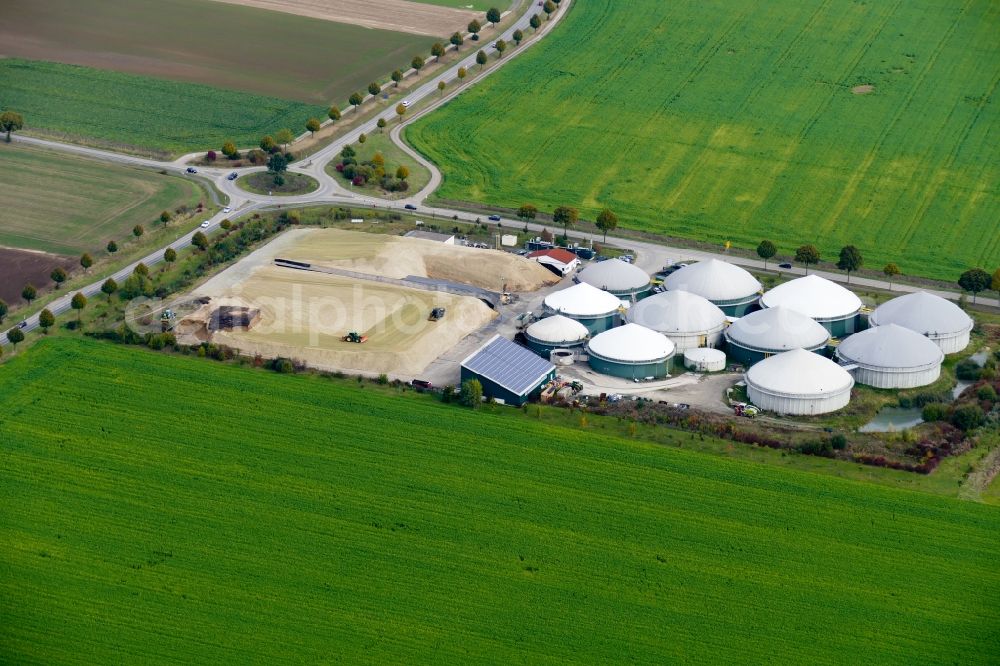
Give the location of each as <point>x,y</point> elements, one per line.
<point>67,204</point>
<point>157,508</point>
<point>802,121</point>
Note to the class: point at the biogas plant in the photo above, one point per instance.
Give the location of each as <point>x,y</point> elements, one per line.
<point>799,348</point>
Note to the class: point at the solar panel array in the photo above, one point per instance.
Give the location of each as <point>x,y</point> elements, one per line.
<point>508,364</point>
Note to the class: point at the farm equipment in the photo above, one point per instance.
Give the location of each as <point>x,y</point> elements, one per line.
<point>167,320</point>
<point>355,337</point>
<point>523,320</point>
<point>436,314</point>
<point>743,409</point>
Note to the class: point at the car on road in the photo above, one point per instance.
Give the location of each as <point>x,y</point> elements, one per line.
<point>410,207</point>
<point>494,218</point>
<point>226,209</point>
<point>204,225</point>
<point>785,265</point>
<point>192,170</point>
<point>406,103</point>
<point>232,176</point>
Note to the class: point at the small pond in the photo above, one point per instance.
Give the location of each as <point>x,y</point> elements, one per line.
<point>893,419</point>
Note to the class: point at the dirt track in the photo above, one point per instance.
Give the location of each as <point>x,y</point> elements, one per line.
<point>397,15</point>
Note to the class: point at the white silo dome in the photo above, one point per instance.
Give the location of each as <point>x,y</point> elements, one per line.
<point>704,359</point>
<point>777,329</point>
<point>631,343</point>
<point>688,320</point>
<point>891,356</point>
<point>617,277</point>
<point>799,382</point>
<point>815,297</point>
<point>940,320</point>
<point>718,281</point>
<point>557,330</point>
<point>582,300</point>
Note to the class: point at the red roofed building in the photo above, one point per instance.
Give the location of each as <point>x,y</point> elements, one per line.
<point>561,262</point>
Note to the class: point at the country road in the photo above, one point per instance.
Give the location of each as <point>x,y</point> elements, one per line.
<point>651,256</point>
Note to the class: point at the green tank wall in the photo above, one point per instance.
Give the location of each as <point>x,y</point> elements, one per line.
<point>544,350</point>
<point>628,371</point>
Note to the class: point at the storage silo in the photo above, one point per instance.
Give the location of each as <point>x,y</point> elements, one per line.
<point>799,382</point>
<point>616,277</point>
<point>597,310</point>
<point>891,356</point>
<point>631,351</point>
<point>703,359</point>
<point>555,332</point>
<point>764,333</point>
<point>688,320</point>
<point>936,318</point>
<point>731,288</point>
<point>827,302</point>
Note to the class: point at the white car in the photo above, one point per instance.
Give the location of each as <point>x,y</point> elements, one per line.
<point>226,209</point>
<point>406,103</point>
<point>204,225</point>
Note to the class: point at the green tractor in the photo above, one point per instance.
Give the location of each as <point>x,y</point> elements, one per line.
<point>355,337</point>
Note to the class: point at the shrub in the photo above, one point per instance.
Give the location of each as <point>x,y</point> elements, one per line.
<point>283,366</point>
<point>967,417</point>
<point>987,392</point>
<point>471,393</point>
<point>968,370</point>
<point>935,411</point>
<point>383,379</point>
<point>838,442</point>
<point>210,156</point>
<point>816,448</point>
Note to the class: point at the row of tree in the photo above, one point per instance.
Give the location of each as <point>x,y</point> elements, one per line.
<point>851,260</point>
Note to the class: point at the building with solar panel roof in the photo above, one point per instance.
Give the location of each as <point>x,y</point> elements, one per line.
<point>507,371</point>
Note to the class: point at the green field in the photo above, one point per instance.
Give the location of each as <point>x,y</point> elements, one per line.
<point>66,204</point>
<point>138,112</point>
<point>240,48</point>
<point>160,508</point>
<point>736,120</point>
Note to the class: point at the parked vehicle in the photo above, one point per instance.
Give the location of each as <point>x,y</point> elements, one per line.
<point>421,384</point>
<point>410,207</point>
<point>192,170</point>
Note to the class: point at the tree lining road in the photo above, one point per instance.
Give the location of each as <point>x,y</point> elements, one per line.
<point>651,256</point>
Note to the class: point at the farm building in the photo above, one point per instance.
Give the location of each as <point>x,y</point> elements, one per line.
<point>799,382</point>
<point>556,332</point>
<point>597,310</point>
<point>688,320</point>
<point>631,351</point>
<point>507,371</point>
<point>940,320</point>
<point>891,356</point>
<point>617,277</point>
<point>447,239</point>
<point>730,287</point>
<point>772,331</point>
<point>559,261</point>
<point>704,359</point>
<point>831,305</point>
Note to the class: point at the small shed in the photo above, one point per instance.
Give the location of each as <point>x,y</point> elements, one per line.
<point>508,371</point>
<point>559,261</point>
<point>431,236</point>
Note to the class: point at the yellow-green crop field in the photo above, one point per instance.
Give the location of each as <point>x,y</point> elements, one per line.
<point>830,122</point>
<point>158,508</point>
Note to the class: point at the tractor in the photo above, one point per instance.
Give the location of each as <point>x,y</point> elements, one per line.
<point>355,337</point>
<point>436,314</point>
